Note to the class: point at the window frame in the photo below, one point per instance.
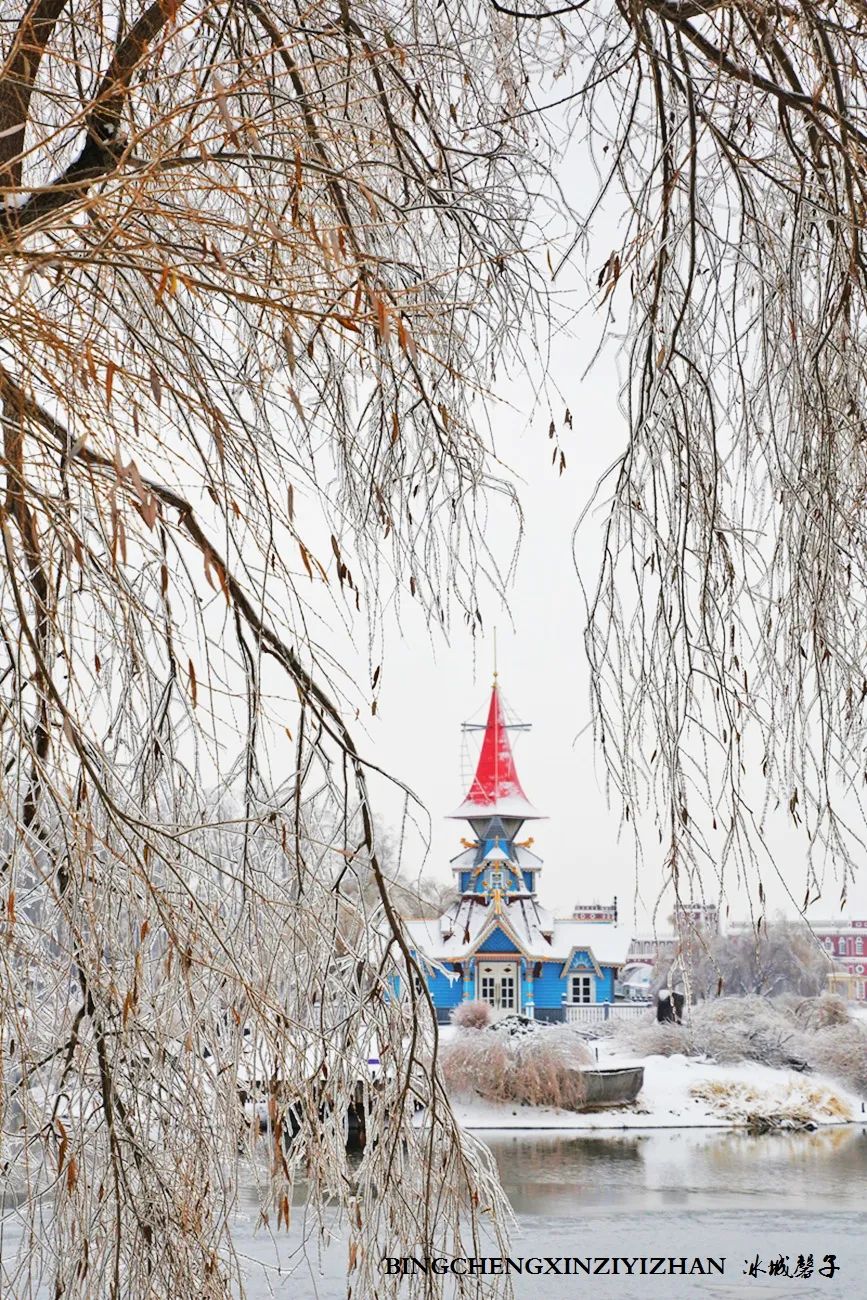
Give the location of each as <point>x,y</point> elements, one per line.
<point>581,979</point>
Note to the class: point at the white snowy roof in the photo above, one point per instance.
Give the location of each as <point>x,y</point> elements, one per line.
<point>609,944</point>
<point>496,854</point>
<point>507,805</point>
<point>529,923</point>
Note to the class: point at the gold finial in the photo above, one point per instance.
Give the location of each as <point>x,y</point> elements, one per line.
<point>495,657</point>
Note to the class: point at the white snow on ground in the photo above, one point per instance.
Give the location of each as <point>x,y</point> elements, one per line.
<point>666,1100</point>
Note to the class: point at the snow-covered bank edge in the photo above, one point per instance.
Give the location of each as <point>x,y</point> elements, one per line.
<point>686,1092</point>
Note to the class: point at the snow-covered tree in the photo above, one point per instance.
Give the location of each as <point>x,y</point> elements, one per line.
<point>783,957</point>
<point>256,262</point>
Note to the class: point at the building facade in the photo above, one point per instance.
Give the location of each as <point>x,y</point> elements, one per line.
<point>498,944</point>
<point>845,941</point>
<point>597,912</point>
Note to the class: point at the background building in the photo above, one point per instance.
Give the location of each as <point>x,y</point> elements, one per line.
<point>846,942</point>
<point>604,912</point>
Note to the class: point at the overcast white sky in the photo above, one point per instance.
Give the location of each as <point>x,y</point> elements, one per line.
<point>429,690</point>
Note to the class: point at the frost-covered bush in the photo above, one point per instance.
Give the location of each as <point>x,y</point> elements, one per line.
<point>827,1011</point>
<point>620,1032</point>
<point>841,1050</point>
<point>735,1010</point>
<point>649,1038</point>
<point>725,1029</point>
<point>477,1064</point>
<point>538,1068</point>
<point>793,1104</point>
<point>781,1033</point>
<point>747,1029</point>
<point>472,1015</point>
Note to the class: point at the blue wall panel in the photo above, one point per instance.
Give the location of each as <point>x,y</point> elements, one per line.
<point>445,993</point>
<point>497,941</point>
<point>549,988</point>
<point>512,880</point>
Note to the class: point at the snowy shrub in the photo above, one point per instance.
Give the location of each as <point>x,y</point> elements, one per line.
<point>476,1065</point>
<point>471,1015</point>
<point>827,1011</point>
<point>594,1030</point>
<point>784,1033</point>
<point>841,1050</point>
<point>747,1029</point>
<point>787,1004</point>
<point>732,1010</point>
<point>725,1029</point>
<point>799,1105</point>
<point>649,1038</point>
<point>533,1069</point>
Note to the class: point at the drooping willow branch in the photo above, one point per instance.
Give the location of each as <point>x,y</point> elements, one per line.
<point>726,627</point>
<point>256,265</point>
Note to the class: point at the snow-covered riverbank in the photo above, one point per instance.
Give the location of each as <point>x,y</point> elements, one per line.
<point>686,1092</point>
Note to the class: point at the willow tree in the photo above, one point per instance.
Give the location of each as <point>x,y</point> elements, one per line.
<point>726,631</point>
<point>256,261</point>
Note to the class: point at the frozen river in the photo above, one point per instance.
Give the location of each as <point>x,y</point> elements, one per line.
<point>660,1193</point>
<point>655,1193</point>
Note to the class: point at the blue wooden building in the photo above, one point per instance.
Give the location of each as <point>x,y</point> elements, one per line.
<point>497,943</point>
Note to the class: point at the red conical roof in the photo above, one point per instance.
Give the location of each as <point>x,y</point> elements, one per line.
<point>496,790</point>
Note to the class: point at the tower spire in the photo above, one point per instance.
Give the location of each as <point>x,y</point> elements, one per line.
<point>496,790</point>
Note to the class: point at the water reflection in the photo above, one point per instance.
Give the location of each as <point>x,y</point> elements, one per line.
<point>552,1172</point>
<point>604,1194</point>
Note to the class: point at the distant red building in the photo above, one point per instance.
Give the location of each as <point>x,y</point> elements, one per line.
<point>846,942</point>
